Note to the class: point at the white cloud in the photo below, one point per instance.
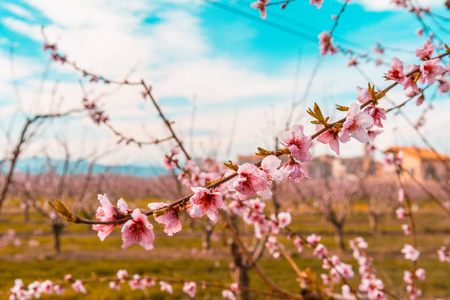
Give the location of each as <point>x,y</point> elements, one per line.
<point>19,11</point>
<point>382,5</point>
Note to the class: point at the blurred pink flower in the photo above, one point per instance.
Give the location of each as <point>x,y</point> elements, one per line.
<point>410,252</point>
<point>166,287</point>
<point>396,72</point>
<point>427,51</point>
<point>429,70</point>
<point>325,44</point>
<point>190,288</point>
<point>261,5</point>
<point>318,3</point>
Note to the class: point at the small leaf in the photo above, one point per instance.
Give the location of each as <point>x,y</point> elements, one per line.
<point>262,152</point>
<point>63,210</point>
<point>231,166</point>
<point>342,108</point>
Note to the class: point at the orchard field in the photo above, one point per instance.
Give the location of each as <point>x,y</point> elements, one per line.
<point>82,253</point>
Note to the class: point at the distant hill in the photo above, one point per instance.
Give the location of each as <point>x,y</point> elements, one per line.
<point>36,165</point>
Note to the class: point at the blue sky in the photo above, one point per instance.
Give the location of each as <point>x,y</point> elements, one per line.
<point>208,63</point>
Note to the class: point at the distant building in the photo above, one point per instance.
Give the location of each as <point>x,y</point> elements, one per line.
<point>337,167</point>
<point>424,164</point>
<point>248,159</point>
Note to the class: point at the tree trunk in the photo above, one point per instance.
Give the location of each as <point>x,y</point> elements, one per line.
<point>206,244</point>
<point>239,268</point>
<point>373,223</point>
<point>339,235</point>
<point>26,211</point>
<point>239,272</point>
<point>56,230</point>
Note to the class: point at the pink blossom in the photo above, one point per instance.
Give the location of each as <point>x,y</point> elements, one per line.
<point>316,2</point>
<point>396,72</point>
<point>420,99</point>
<point>352,62</point>
<point>346,291</point>
<point>298,243</point>
<point>320,251</point>
<point>410,252</point>
<point>406,229</point>
<point>378,62</point>
<point>169,218</point>
<point>355,125</point>
<point>122,275</point>
<point>284,219</point>
<point>443,254</point>
<point>377,113</point>
<point>325,44</point>
<point>401,3</point>
<point>427,51</point>
<point>373,134</point>
<point>166,287</point>
<point>413,292</point>
<point>190,288</point>
<point>261,5</point>
<point>134,283</point>
<point>227,294</point>
<point>345,270</point>
<point>250,180</point>
<point>46,287</point>
<point>169,164</point>
<point>107,212</point>
<point>270,165</point>
<point>59,289</point>
<point>326,264</point>
<point>444,86</point>
<point>68,277</point>
<point>138,231</point>
<point>407,277</point>
<point>378,49</point>
<point>297,143</point>
<point>78,287</point>
<point>429,70</point>
<point>209,203</point>
<point>234,287</point>
<point>194,211</point>
<point>114,285</point>
<point>363,95</point>
<point>411,80</point>
<point>330,137</point>
<point>401,195</point>
<point>401,214</point>
<point>295,171</point>
<point>373,288</point>
<point>419,32</point>
<point>420,274</point>
<point>313,239</point>
<point>325,279</point>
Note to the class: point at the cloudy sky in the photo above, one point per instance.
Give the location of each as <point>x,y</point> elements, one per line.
<point>226,77</point>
